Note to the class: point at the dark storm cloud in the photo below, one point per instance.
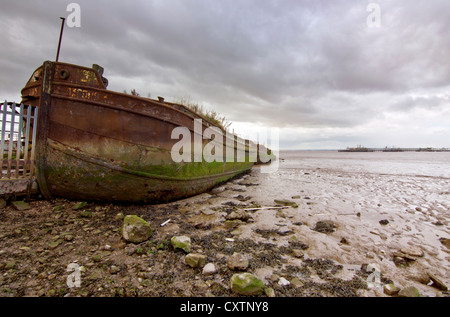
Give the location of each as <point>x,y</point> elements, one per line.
<point>278,63</point>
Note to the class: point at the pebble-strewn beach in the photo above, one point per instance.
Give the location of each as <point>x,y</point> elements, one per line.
<point>323,224</point>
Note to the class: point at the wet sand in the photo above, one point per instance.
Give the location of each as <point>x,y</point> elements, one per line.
<point>356,199</point>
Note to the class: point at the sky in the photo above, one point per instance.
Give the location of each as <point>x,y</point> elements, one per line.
<point>323,74</point>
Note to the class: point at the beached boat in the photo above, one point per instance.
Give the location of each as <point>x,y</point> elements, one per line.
<point>96,144</point>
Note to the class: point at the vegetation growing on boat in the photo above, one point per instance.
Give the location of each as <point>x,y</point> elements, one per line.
<point>211,115</point>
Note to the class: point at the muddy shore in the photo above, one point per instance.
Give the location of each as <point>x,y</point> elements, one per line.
<point>302,245</point>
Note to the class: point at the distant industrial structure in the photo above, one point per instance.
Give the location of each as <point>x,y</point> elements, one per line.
<point>360,148</point>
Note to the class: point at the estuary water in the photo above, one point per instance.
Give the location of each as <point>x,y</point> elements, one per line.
<point>433,164</point>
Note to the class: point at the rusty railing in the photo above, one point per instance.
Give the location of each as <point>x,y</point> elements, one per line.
<point>18,123</point>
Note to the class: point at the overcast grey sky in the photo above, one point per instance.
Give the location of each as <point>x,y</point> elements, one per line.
<point>314,69</point>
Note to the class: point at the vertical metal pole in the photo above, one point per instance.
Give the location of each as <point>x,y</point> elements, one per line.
<point>19,140</point>
<point>4,114</point>
<point>11,138</point>
<point>27,140</point>
<point>60,37</point>
<point>33,140</point>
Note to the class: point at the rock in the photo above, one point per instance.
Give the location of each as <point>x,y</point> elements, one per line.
<point>326,226</point>
<point>20,205</point>
<point>409,291</point>
<point>274,277</point>
<point>384,222</point>
<point>231,224</point>
<point>207,212</point>
<point>209,268</point>
<point>50,293</point>
<point>246,284</point>
<point>238,215</point>
<point>51,277</point>
<point>413,251</point>
<point>437,282</point>
<point>195,260</point>
<point>283,282</point>
<point>2,203</point>
<point>403,256</point>
<point>298,244</point>
<point>286,203</point>
<point>58,208</point>
<point>296,282</point>
<point>79,205</point>
<point>54,244</point>
<point>135,229</point>
<point>97,257</point>
<point>407,254</point>
<point>419,276</point>
<point>85,214</point>
<point>10,265</point>
<point>32,283</point>
<point>201,285</point>
<point>181,242</point>
<point>400,261</point>
<point>68,237</point>
<point>284,231</point>
<point>242,198</point>
<point>445,242</point>
<point>114,269</point>
<point>107,247</point>
<point>119,216</point>
<point>218,190</point>
<point>390,289</point>
<point>237,262</point>
<point>269,291</point>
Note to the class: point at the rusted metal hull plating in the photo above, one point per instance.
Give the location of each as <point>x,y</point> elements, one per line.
<point>95,144</point>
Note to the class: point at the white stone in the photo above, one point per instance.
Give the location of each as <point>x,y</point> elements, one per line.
<point>209,268</point>
<point>283,282</point>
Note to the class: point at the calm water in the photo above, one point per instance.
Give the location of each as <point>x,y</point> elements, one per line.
<point>433,164</point>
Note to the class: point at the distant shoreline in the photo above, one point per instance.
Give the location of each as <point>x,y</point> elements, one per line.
<point>371,150</point>
<point>386,149</point>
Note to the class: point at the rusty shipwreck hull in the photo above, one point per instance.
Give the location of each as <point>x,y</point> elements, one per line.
<point>96,144</point>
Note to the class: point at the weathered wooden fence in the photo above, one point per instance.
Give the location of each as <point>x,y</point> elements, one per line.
<point>18,124</point>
